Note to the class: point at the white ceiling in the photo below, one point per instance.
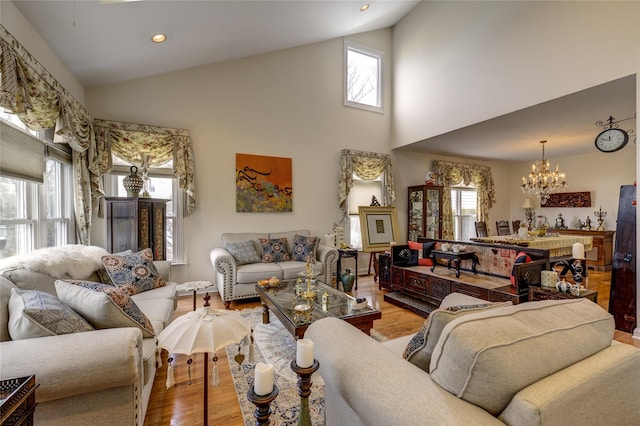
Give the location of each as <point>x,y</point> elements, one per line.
<point>103,43</point>
<point>108,43</point>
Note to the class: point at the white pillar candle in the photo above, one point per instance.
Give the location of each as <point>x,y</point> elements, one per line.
<point>578,251</point>
<point>304,353</point>
<point>263,381</point>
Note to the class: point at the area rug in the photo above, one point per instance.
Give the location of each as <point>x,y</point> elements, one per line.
<point>274,344</point>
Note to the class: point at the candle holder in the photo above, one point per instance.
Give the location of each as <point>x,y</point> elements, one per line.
<point>304,389</point>
<point>263,404</point>
<point>600,215</point>
<point>577,270</point>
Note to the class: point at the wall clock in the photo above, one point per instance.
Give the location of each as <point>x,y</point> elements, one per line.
<point>611,140</point>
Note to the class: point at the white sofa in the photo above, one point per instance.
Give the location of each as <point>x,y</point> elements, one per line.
<point>537,363</point>
<point>100,377</point>
<point>236,282</point>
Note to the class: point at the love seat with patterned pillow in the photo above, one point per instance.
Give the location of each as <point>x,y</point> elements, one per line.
<point>248,257</point>
<point>91,345</point>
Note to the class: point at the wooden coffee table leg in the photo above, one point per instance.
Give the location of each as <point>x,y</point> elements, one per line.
<point>265,313</point>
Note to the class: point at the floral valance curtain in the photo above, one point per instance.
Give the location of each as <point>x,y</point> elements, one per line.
<point>367,166</point>
<point>28,90</point>
<point>152,146</point>
<point>448,174</point>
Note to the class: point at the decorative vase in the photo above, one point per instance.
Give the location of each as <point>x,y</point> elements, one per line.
<point>133,183</point>
<point>347,280</point>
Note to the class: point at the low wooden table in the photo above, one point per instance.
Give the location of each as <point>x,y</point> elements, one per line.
<point>17,400</point>
<point>282,299</point>
<point>541,293</point>
<point>455,257</point>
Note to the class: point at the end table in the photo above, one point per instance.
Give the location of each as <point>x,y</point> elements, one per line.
<point>17,400</point>
<point>193,286</point>
<point>344,253</point>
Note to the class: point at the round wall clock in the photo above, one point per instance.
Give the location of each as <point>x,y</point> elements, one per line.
<point>611,140</point>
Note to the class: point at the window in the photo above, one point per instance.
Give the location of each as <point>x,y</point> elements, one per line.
<point>162,184</point>
<point>361,194</point>
<point>34,215</point>
<point>363,77</point>
<point>464,205</point>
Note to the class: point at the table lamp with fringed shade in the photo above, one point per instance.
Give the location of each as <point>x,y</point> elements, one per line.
<point>202,331</point>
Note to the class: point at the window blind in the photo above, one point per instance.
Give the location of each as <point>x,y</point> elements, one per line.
<point>21,155</point>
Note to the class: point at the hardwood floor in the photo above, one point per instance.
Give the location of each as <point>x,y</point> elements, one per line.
<point>183,404</point>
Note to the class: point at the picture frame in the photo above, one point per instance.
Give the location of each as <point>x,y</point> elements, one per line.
<point>379,227</point>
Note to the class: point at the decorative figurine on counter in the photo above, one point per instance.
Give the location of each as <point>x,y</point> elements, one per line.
<point>374,202</point>
<point>579,225</point>
<point>560,222</point>
<point>587,225</point>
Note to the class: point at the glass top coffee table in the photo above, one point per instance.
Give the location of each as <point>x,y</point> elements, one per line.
<point>286,305</point>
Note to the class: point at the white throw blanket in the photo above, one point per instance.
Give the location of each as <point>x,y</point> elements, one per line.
<point>74,261</point>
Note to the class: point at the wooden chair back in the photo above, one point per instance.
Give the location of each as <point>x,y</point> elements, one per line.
<point>481,229</point>
<point>503,227</point>
<point>516,225</point>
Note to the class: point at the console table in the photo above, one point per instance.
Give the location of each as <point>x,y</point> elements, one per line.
<point>455,257</point>
<point>539,293</point>
<point>601,256</point>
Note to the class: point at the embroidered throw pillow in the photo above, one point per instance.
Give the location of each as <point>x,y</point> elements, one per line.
<point>304,248</point>
<point>421,346</point>
<point>274,250</point>
<point>243,252</point>
<point>133,272</point>
<point>104,306</point>
<point>35,313</point>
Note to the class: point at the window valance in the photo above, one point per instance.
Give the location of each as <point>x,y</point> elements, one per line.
<point>450,173</point>
<point>367,166</point>
<point>151,145</point>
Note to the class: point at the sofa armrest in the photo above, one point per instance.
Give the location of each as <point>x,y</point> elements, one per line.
<point>226,271</point>
<point>164,268</point>
<point>366,383</point>
<point>328,256</point>
<point>78,363</point>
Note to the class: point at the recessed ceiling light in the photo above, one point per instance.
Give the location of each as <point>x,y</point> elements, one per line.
<point>158,38</point>
<point>364,7</point>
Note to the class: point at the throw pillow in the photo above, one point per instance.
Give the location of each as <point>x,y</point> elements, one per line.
<point>421,346</point>
<point>424,252</point>
<point>104,306</point>
<point>521,257</point>
<point>274,250</point>
<point>304,248</point>
<point>133,272</point>
<point>35,313</point>
<point>243,252</point>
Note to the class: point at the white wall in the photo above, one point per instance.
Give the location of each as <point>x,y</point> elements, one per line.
<point>460,63</point>
<point>285,104</point>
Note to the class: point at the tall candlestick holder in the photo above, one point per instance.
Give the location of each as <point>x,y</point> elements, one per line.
<point>304,389</point>
<point>600,215</point>
<point>263,404</point>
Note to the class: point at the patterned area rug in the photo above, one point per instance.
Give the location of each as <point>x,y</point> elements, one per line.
<point>273,344</point>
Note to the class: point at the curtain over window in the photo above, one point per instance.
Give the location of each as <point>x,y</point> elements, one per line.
<point>448,174</point>
<point>152,146</point>
<point>367,166</point>
<point>28,90</point>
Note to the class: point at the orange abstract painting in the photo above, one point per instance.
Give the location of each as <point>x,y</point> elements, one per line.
<point>263,184</point>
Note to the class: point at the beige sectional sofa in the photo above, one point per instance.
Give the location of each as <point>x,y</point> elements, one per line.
<point>537,363</point>
<point>100,377</point>
<point>236,280</point>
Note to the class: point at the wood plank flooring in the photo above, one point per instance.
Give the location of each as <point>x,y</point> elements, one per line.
<point>183,404</point>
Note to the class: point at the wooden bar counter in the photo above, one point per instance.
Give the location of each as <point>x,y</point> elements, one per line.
<point>600,257</point>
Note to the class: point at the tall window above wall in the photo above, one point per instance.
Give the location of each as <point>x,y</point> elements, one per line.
<point>464,206</point>
<point>36,207</point>
<point>164,185</point>
<point>362,77</point>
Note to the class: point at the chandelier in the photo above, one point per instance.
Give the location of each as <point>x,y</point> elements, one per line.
<point>542,181</point>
